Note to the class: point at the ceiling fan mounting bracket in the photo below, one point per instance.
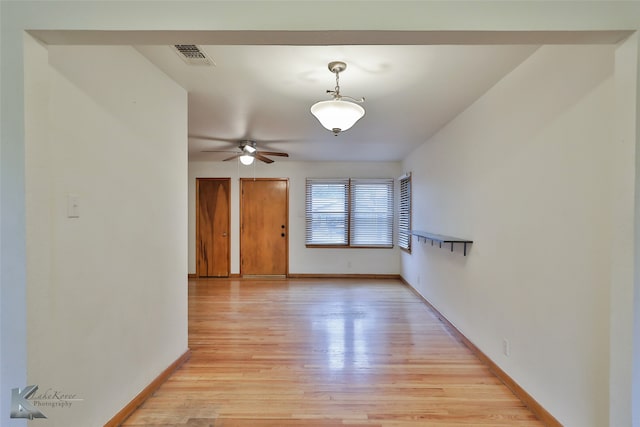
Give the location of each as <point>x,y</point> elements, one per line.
<point>247,143</point>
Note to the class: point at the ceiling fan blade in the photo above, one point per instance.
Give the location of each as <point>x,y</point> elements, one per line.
<point>244,145</point>
<point>209,138</point>
<point>232,157</point>
<point>273,153</point>
<point>263,158</point>
<point>219,151</point>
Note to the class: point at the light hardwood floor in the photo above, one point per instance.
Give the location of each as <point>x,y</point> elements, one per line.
<point>322,353</point>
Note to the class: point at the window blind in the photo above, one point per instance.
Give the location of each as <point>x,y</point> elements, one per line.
<point>371,212</point>
<point>326,212</point>
<point>404,213</point>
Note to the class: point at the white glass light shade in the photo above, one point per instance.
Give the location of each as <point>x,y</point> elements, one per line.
<point>337,115</point>
<point>246,159</point>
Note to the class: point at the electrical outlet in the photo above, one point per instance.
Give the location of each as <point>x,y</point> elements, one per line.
<point>73,206</point>
<point>348,264</point>
<point>506,347</point>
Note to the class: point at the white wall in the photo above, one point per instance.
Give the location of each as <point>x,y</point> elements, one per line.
<point>526,172</point>
<point>623,152</point>
<point>116,17</point>
<point>107,291</point>
<point>628,109</point>
<point>13,328</point>
<point>302,260</point>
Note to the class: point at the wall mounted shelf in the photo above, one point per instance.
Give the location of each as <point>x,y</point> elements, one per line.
<point>440,239</point>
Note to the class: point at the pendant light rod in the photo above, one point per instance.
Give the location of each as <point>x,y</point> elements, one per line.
<point>337,67</point>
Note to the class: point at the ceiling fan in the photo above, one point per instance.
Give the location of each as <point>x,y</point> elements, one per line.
<point>249,152</point>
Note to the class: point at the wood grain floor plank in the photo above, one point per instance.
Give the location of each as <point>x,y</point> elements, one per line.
<point>320,353</point>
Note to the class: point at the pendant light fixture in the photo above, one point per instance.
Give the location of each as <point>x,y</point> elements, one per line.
<point>341,112</point>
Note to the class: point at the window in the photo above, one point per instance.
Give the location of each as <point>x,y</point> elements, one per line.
<point>327,212</point>
<point>349,212</point>
<point>371,212</point>
<point>404,213</point>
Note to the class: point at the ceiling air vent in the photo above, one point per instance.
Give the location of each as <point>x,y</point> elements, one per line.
<point>193,54</point>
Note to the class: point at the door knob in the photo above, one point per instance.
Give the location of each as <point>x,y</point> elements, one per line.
<point>224,234</point>
<point>282,234</point>
<point>282,226</point>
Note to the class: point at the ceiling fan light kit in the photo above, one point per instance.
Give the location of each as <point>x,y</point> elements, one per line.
<point>248,149</point>
<point>341,112</point>
<point>246,159</point>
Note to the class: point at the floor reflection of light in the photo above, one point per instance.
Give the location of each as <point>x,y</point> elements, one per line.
<point>361,356</point>
<point>335,330</point>
<point>347,344</point>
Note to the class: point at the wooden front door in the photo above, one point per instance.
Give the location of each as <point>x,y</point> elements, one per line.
<point>264,227</point>
<point>212,227</point>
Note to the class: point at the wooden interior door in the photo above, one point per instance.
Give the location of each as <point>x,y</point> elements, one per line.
<point>212,227</point>
<point>264,227</point>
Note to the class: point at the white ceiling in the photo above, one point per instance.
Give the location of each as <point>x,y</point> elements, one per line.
<point>264,82</point>
<point>264,93</point>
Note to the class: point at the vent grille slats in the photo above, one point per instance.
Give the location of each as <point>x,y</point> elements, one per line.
<point>193,54</point>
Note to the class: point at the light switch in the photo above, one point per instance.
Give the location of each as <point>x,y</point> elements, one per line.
<point>73,206</point>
